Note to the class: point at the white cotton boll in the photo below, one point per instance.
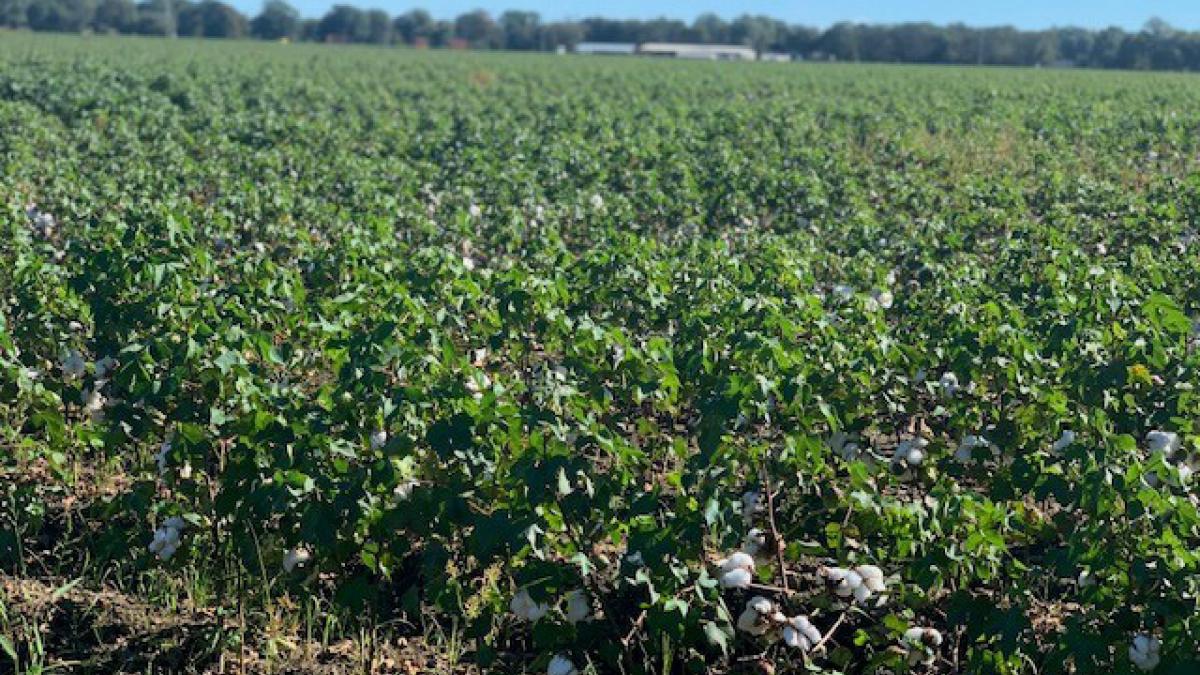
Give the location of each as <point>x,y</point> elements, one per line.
<point>921,643</point>
<point>883,299</point>
<point>295,557</point>
<point>842,292</point>
<point>185,471</point>
<point>597,202</point>
<point>849,584</point>
<point>966,449</point>
<point>405,489</point>
<point>754,543</point>
<point>468,263</point>
<point>379,438</point>
<point>475,211</point>
<point>478,383</point>
<point>163,455</point>
<point>93,401</point>
<point>738,560</point>
<point>1144,652</point>
<point>910,452</point>
<point>755,618</point>
<point>1164,442</point>
<point>738,578</point>
<point>561,665</point>
<point>949,384</point>
<point>578,606</point>
<point>835,573</point>
<point>1085,579</point>
<point>872,578</point>
<point>73,366</point>
<point>104,366</point>
<point>524,606</point>
<point>862,593</point>
<point>799,633</point>
<point>1064,441</point>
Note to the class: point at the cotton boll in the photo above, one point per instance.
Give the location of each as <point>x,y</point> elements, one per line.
<point>1085,579</point>
<point>1162,442</point>
<point>468,263</point>
<point>1064,441</point>
<point>754,543</point>
<point>404,490</point>
<point>736,561</point>
<point>73,366</point>
<point>921,643</point>
<point>597,202</point>
<point>872,578</point>
<point>104,366</point>
<point>910,452</point>
<point>295,557</point>
<point>475,211</point>
<point>755,618</point>
<point>799,633</point>
<point>561,665</point>
<point>1144,652</point>
<point>524,606</point>
<point>163,455</point>
<point>379,438</point>
<point>739,578</point>
<point>578,606</point>
<point>949,384</point>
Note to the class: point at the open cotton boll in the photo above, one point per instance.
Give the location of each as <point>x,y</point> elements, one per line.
<point>163,455</point>
<point>104,366</point>
<point>524,606</point>
<point>1162,442</point>
<point>475,210</point>
<point>597,202</point>
<point>737,571</point>
<point>379,438</point>
<point>1144,652</point>
<point>920,644</point>
<point>949,384</point>
<point>72,364</point>
<point>561,665</point>
<point>799,633</point>
<point>966,449</point>
<point>861,583</point>
<point>755,619</point>
<point>1064,441</point>
<point>295,557</point>
<point>578,606</point>
<point>755,543</point>
<point>910,452</point>
<point>478,383</point>
<point>872,578</point>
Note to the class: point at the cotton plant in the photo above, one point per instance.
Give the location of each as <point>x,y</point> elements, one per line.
<point>860,583</point>
<point>921,645</point>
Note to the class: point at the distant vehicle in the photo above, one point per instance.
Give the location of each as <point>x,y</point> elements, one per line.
<point>775,56</point>
<point>680,50</point>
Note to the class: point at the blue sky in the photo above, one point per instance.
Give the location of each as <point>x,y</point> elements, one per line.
<point>1130,14</point>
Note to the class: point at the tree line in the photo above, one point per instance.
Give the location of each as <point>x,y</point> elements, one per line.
<point>1158,46</point>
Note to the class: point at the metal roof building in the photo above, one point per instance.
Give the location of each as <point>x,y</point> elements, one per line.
<point>698,51</point>
<point>605,48</point>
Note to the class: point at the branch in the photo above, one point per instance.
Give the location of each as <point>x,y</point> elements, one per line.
<point>775,540</point>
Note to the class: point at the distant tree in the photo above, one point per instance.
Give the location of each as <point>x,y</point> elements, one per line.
<point>343,23</point>
<point>711,29</point>
<point>67,16</point>
<point>211,19</point>
<point>114,16</point>
<point>277,20</point>
<point>379,27</point>
<point>413,24</point>
<point>566,34</point>
<point>478,29</point>
<point>13,13</point>
<point>520,29</point>
<point>155,17</point>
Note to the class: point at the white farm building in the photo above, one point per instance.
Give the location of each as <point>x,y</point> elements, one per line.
<point>681,50</point>
<point>608,48</point>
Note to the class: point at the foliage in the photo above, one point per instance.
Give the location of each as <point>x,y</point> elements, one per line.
<point>467,338</point>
